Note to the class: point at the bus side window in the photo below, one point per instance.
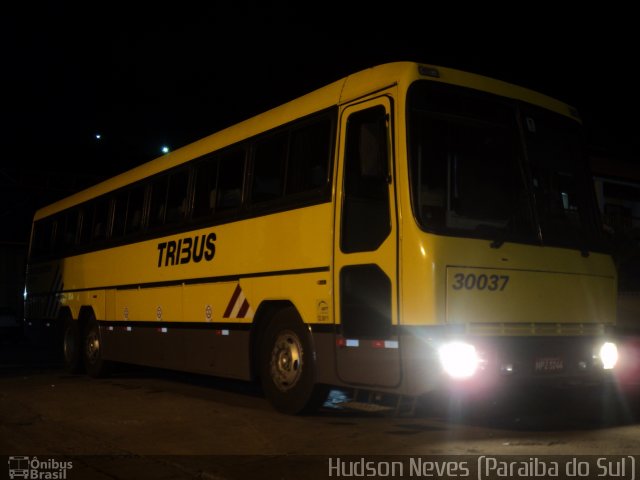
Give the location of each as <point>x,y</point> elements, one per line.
<point>66,224</point>
<point>158,201</point>
<point>87,223</point>
<point>309,151</point>
<point>134,209</point>
<point>101,215</point>
<point>205,195</point>
<point>230,176</point>
<point>119,214</point>
<point>269,168</point>
<point>71,229</point>
<point>366,218</point>
<point>177,196</point>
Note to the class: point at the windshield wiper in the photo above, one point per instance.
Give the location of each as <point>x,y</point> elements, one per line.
<point>583,245</point>
<point>497,235</point>
<point>498,242</point>
<point>503,232</point>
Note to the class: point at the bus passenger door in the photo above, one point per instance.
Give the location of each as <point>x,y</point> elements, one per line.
<point>366,247</point>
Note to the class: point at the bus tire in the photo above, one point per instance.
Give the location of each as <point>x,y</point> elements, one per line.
<point>95,365</point>
<point>71,346</point>
<point>287,365</point>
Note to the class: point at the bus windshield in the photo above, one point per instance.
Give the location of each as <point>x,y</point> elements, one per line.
<point>489,167</point>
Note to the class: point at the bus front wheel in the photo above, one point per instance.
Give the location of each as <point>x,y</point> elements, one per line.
<point>287,365</point>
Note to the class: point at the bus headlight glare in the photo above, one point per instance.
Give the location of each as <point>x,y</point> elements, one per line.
<point>458,359</point>
<point>609,355</point>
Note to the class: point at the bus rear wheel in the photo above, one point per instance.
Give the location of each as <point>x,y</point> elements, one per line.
<point>287,365</point>
<point>71,346</point>
<point>95,365</point>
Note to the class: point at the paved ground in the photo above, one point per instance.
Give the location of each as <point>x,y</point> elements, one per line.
<point>144,423</point>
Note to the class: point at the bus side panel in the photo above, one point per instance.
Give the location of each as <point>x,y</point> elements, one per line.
<point>202,323</point>
<point>150,304</point>
<point>176,312</point>
<point>189,348</point>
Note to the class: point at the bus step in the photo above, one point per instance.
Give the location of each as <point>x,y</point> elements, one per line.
<point>366,407</point>
<point>371,402</point>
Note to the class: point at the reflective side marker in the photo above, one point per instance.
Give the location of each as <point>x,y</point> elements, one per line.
<point>384,344</point>
<point>352,342</point>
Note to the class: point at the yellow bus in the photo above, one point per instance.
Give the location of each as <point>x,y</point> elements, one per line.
<point>403,229</point>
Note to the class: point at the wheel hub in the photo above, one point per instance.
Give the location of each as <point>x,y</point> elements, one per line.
<point>286,360</point>
<point>93,346</point>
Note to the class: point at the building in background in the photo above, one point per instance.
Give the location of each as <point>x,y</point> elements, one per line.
<point>617,186</point>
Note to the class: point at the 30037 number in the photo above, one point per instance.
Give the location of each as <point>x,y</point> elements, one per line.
<point>472,281</point>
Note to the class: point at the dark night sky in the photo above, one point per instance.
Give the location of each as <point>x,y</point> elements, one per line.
<point>171,75</point>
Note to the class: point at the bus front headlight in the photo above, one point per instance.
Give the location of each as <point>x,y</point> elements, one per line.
<point>458,359</point>
<point>608,355</point>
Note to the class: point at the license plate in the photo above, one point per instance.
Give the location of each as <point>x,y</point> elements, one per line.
<point>549,364</point>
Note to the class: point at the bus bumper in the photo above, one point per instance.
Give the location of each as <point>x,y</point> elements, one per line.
<point>483,365</point>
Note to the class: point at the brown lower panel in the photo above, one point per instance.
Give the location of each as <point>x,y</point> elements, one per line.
<point>200,350</point>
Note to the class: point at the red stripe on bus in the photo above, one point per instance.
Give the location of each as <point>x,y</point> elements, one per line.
<point>243,309</point>
<point>234,297</point>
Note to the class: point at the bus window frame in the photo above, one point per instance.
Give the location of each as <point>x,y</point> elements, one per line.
<point>245,211</point>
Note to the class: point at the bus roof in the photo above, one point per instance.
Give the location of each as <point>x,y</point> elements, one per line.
<point>341,91</point>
